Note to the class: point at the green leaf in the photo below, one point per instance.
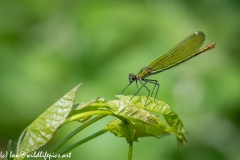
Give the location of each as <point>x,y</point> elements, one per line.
<point>97,104</point>
<point>130,112</point>
<point>44,127</point>
<point>9,150</point>
<point>159,107</point>
<point>181,140</point>
<point>94,105</point>
<point>133,132</point>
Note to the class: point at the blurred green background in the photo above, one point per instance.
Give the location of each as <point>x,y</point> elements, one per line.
<point>48,47</point>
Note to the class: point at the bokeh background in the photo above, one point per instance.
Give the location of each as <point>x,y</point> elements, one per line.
<point>48,47</point>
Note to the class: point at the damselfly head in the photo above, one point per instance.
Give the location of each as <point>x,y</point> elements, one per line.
<point>132,77</point>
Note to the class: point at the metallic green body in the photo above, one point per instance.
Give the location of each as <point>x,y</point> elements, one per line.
<point>186,49</point>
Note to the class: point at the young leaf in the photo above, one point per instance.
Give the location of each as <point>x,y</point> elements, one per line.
<point>130,112</point>
<point>9,150</point>
<point>98,104</point>
<point>160,107</point>
<point>42,129</point>
<point>133,131</point>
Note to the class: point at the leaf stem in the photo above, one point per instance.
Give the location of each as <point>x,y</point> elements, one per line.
<point>85,114</point>
<point>19,140</point>
<point>106,129</point>
<point>130,150</point>
<point>69,136</point>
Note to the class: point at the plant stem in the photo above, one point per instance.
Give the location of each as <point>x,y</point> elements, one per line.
<point>106,129</point>
<point>69,136</point>
<point>86,114</point>
<point>130,150</point>
<point>20,140</point>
